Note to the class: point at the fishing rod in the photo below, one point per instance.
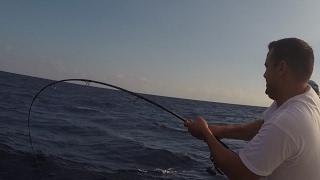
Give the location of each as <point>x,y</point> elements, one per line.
<point>87,82</point>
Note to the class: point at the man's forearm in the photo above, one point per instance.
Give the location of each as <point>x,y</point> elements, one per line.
<point>227,161</point>
<point>241,132</point>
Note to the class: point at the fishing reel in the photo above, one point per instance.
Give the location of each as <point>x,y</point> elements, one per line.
<point>214,169</point>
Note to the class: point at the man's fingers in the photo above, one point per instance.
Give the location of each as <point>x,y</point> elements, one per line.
<point>187,123</point>
<point>199,118</point>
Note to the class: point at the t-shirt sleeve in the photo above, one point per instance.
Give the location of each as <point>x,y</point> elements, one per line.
<point>267,150</point>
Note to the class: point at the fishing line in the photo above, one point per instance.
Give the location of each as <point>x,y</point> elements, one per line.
<point>87,83</point>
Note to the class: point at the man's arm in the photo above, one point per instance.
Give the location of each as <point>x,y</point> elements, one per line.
<point>241,132</point>
<point>230,163</point>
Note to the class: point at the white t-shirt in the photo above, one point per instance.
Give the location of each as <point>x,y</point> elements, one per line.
<point>287,146</point>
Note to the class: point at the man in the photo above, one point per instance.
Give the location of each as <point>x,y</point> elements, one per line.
<point>285,144</point>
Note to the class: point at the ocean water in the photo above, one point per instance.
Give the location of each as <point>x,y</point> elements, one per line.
<point>88,132</point>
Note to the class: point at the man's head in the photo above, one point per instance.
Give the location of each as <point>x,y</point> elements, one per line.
<point>297,54</point>
<point>289,61</point>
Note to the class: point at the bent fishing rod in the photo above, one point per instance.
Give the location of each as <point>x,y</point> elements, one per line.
<point>87,82</point>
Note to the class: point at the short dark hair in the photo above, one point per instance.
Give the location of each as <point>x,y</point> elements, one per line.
<point>297,54</point>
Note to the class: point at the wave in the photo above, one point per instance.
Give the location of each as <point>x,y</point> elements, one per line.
<point>156,157</point>
<point>165,157</point>
<point>83,109</point>
<point>160,125</point>
<point>17,164</point>
<point>157,173</point>
<point>6,84</point>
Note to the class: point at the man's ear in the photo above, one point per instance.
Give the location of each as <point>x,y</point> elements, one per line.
<point>282,68</point>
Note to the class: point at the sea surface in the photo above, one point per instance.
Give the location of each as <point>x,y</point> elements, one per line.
<point>80,131</point>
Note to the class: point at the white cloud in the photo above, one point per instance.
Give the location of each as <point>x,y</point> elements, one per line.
<point>15,61</point>
<point>57,69</point>
<point>144,79</point>
<point>121,76</point>
<point>189,91</point>
<point>8,48</point>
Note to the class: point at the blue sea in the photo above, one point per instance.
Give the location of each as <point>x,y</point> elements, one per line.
<point>90,132</point>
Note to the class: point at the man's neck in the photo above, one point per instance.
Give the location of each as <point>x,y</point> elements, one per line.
<point>290,92</point>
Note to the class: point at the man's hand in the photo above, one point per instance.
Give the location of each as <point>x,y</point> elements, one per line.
<point>198,128</point>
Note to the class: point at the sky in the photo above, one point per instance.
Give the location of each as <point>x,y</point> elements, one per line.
<point>202,50</point>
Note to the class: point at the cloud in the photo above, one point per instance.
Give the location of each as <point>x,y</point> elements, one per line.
<point>8,48</point>
<point>190,91</point>
<point>12,60</point>
<point>20,62</point>
<point>144,79</point>
<point>135,82</point>
<point>120,76</point>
